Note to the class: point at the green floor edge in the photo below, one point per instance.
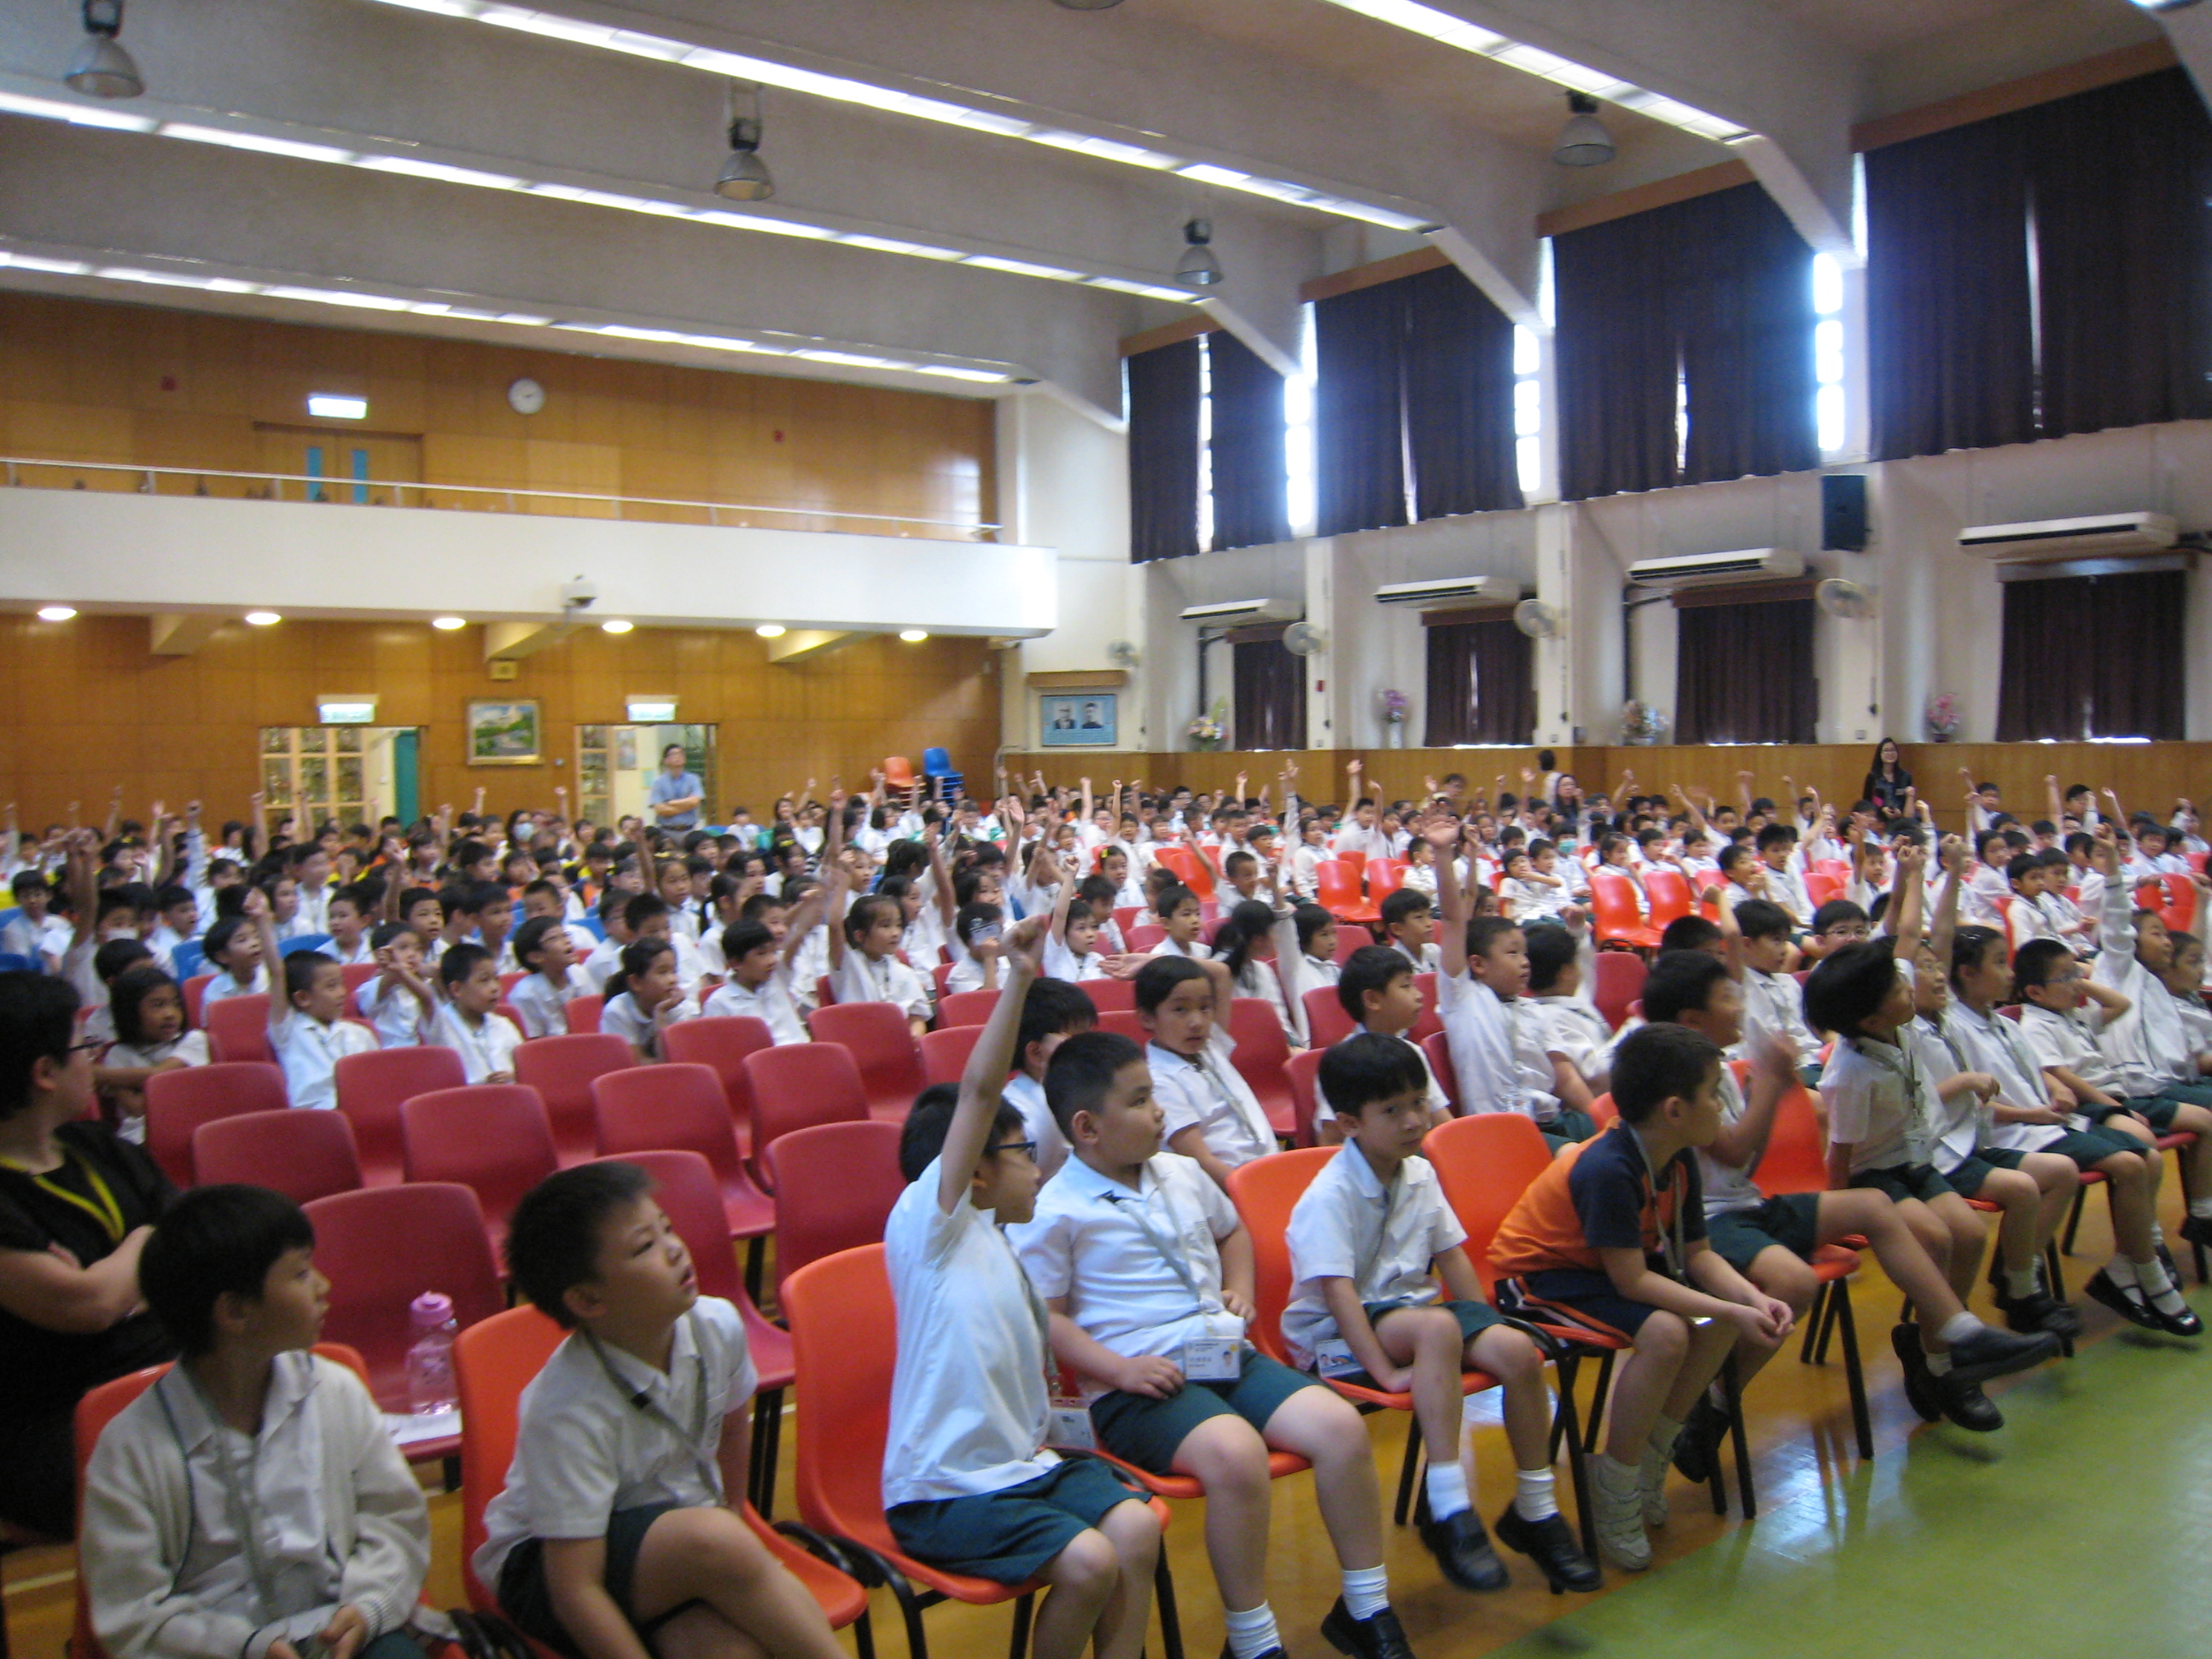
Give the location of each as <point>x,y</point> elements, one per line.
<point>2083,1526</point>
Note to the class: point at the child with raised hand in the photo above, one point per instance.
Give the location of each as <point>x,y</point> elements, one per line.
<point>1182,919</point>
<point>757,969</point>
<point>1773,1001</point>
<point>614,1537</point>
<point>644,998</point>
<point>1212,1115</point>
<point>969,1484</point>
<point>232,947</point>
<point>1147,1270</point>
<point>1054,1010</point>
<point>467,1023</point>
<point>864,963</point>
<point>148,1011</point>
<point>551,981</point>
<point>338,1538</point>
<point>308,1031</point>
<point>398,1002</point>
<point>1072,952</point>
<point>1370,1241</point>
<point>1379,991</point>
<point>1409,918</point>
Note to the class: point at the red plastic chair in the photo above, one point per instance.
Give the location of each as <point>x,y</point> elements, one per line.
<point>1302,1075</point>
<point>678,1108</point>
<point>380,1248</point>
<point>1108,994</point>
<point>1127,1022</point>
<point>493,1363</point>
<point>684,1187</point>
<point>583,1015</point>
<point>1619,981</point>
<point>1186,863</point>
<point>492,1137</point>
<point>940,974</point>
<point>561,1069</point>
<point>180,1100</point>
<point>1384,877</point>
<point>2177,903</point>
<point>1615,913</point>
<point>882,1046</point>
<point>370,1087</point>
<point>1337,891</point>
<point>1259,1055</point>
<point>1350,937</point>
<point>195,994</point>
<point>1142,939</point>
<point>843,1429</point>
<point>357,974</point>
<point>1438,1047</point>
<point>302,1155</point>
<point>945,1053</point>
<point>1327,1024</point>
<point>1822,886</point>
<point>238,1029</point>
<point>722,1043</point>
<point>837,1182</point>
<point>1669,893</point>
<point>798,1084</point>
<point>965,1008</point>
<point>1432,1013</point>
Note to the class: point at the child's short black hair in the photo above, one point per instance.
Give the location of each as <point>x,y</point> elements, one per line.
<point>1681,982</point>
<point>213,1241</point>
<point>553,1242</point>
<point>1371,968</point>
<point>115,956</point>
<point>1688,933</point>
<point>127,994</point>
<point>1404,904</point>
<point>1483,931</point>
<point>1777,835</point>
<point>1368,1066</point>
<point>864,914</point>
<point>1658,1063</point>
<point>171,895</point>
<point>29,881</point>
<point>459,962</point>
<point>1835,912</point>
<point>389,932</point>
<point>1050,1007</point>
<point>1551,951</point>
<point>923,1139</point>
<point>643,908</point>
<point>2035,962</point>
<point>1758,919</point>
<point>1850,985</point>
<point>1312,920</point>
<point>1081,1071</point>
<point>529,938</point>
<point>972,917</point>
<point>1970,947</point>
<point>1096,887</point>
<point>760,904</point>
<point>300,970</point>
<point>1156,980</point>
<point>740,939</point>
<point>1171,898</point>
<point>2022,866</point>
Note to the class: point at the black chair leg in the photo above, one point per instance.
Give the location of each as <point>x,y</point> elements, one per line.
<point>1023,1609</point>
<point>1566,1429</point>
<point>1412,1466</point>
<point>1563,1414</point>
<point>767,1438</point>
<point>756,1256</point>
<point>1740,1438</point>
<point>1853,1375</point>
<point>1813,1317</point>
<point>1591,1431</point>
<point>1171,1620</point>
<point>2074,1220</point>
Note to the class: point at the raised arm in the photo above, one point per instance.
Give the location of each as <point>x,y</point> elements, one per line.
<point>1908,897</point>
<point>989,1064</point>
<point>809,914</point>
<point>1451,900</point>
<point>1944,924</point>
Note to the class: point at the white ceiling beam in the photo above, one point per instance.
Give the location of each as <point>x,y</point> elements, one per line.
<point>2189,29</point>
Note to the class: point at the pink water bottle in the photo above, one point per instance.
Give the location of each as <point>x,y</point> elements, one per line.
<point>430,1360</point>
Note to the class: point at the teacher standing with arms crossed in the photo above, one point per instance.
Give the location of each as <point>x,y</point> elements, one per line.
<point>677,793</point>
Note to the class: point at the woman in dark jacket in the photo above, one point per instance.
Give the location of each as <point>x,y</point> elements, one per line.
<point>1887,782</point>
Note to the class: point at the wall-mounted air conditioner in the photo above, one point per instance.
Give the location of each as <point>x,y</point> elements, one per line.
<point>1242,613</point>
<point>2102,534</point>
<point>1710,569</point>
<point>1450,591</point>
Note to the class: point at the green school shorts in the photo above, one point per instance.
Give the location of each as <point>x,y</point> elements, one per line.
<point>1790,1219</point>
<point>1903,1180</point>
<point>1140,1430</point>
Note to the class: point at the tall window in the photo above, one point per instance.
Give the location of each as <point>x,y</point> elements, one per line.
<point>1528,408</point>
<point>1829,409</point>
<point>1206,440</point>
<point>1298,430</point>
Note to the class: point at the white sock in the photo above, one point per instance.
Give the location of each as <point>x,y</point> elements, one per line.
<point>2158,1290</point>
<point>1252,1632</point>
<point>1367,1590</point>
<point>1536,1497</point>
<point>2157,1235</point>
<point>1448,1492</point>
<point>1665,1431</point>
<point>2200,1208</point>
<point>2022,1283</point>
<point>2122,1271</point>
<point>1959,1327</point>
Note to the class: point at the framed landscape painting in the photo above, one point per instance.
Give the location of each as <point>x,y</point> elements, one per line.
<point>504,732</point>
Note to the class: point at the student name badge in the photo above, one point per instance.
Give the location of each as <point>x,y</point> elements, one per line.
<point>1333,1357</point>
<point>1067,1425</point>
<point>1214,1358</point>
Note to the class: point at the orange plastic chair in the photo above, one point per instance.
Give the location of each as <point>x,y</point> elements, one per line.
<point>238,1029</point>
<point>1260,1054</point>
<point>1384,877</point>
<point>1337,891</point>
<point>492,1137</point>
<point>1327,1024</point>
<point>2178,904</point>
<point>898,771</point>
<point>1669,894</point>
<point>1128,1022</point>
<point>838,1182</point>
<point>1265,1192</point>
<point>1144,939</point>
<point>721,1043</point>
<point>1615,914</point>
<point>1108,996</point>
<point>1619,981</point>
<point>180,1100</point>
<point>380,1248</point>
<point>678,1108</point>
<point>370,1088</point>
<point>493,1363</point>
<point>841,1445</point>
<point>686,1188</point>
<point>302,1155</point>
<point>797,1084</point>
<point>1822,886</point>
<point>945,1053</point>
<point>881,1044</point>
<point>561,1069</point>
<point>1302,1075</point>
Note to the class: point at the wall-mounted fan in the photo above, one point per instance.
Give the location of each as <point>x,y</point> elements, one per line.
<point>1839,597</point>
<point>1536,619</point>
<point>1302,639</point>
<point>1123,653</point>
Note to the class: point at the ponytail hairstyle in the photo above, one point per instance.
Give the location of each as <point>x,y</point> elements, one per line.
<point>637,959</point>
<point>1251,920</point>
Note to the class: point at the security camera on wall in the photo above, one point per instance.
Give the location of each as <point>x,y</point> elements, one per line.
<point>578,595</point>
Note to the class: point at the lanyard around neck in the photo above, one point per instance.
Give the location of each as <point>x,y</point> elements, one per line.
<point>101,1207</point>
<point>642,1401</point>
<point>1136,1210</point>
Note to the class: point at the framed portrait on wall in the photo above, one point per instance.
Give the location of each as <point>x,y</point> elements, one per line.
<point>505,731</point>
<point>1079,719</point>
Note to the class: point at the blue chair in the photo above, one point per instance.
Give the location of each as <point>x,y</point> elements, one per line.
<point>943,781</point>
<point>10,914</point>
<point>188,958</point>
<point>595,928</point>
<point>12,964</point>
<point>306,942</point>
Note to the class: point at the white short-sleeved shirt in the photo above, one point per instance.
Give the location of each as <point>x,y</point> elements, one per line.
<point>1428,960</point>
<point>1197,951</point>
<point>1211,1094</point>
<point>1725,1186</point>
<point>309,1052</point>
<point>1990,1042</point>
<point>397,1017</point>
<point>1026,1094</point>
<point>224,985</point>
<point>599,967</point>
<point>1964,1121</point>
<point>582,1450</point>
<point>1483,1033</point>
<point>1060,962</point>
<point>1876,1103</point>
<point>1103,1246</point>
<point>622,1016</point>
<point>770,1002</point>
<point>1348,1225</point>
<point>485,1049</point>
<point>862,978</point>
<point>544,1004</point>
<point>969,1401</point>
<point>2071,1040</point>
<point>1572,1027</point>
<point>1438,1100</point>
<point>1776,1002</point>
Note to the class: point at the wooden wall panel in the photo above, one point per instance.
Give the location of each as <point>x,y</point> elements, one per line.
<point>84,380</point>
<point>83,707</point>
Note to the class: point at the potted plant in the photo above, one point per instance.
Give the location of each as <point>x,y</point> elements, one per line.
<point>1206,730</point>
<point>1943,717</point>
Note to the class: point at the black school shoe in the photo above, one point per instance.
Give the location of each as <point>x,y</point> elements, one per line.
<point>1552,1545</point>
<point>2197,1230</point>
<point>2125,1300</point>
<point>1380,1637</point>
<point>1464,1552</point>
<point>1697,1446</point>
<point>1991,1352</point>
<point>1966,1404</point>
<point>1919,1386</point>
<point>2041,1312</point>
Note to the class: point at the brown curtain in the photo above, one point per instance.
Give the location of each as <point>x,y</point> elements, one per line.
<point>1743,673</point>
<point>1251,485</point>
<point>1459,397</point>
<point>2092,657</point>
<point>1271,695</point>
<point>1359,436</point>
<point>1617,359</point>
<point>1162,394</point>
<point>1743,305</point>
<point>1482,684</point>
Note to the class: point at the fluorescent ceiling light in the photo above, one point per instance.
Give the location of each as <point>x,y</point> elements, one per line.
<point>332,406</point>
<point>82,115</point>
<point>253,141</point>
<point>415,167</point>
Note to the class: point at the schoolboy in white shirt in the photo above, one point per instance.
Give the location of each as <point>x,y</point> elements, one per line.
<point>398,1004</point>
<point>970,1485</point>
<point>307,1028</point>
<point>1212,1115</point>
<point>1377,989</point>
<point>551,981</point>
<point>1147,1270</point>
<point>466,1023</point>
<point>1409,919</point>
<point>1485,968</point>
<point>1052,1011</point>
<point>1772,999</point>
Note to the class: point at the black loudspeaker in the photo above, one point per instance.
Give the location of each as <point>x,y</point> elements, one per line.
<point>1843,511</point>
